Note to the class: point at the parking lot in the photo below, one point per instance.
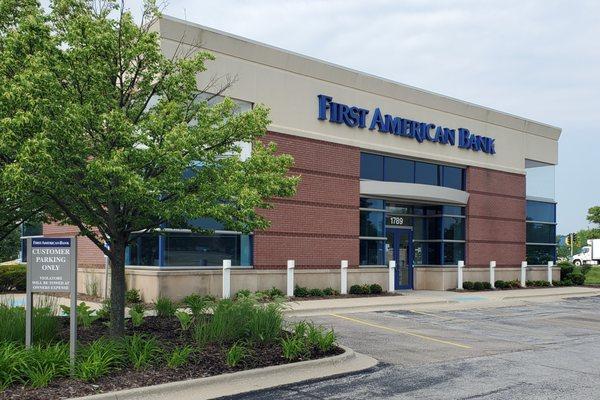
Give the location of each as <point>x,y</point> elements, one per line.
<point>545,350</point>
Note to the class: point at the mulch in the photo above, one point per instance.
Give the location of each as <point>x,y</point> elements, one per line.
<point>210,361</point>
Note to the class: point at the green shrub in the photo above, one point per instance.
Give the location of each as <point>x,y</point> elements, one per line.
<point>197,304</point>
<point>315,292</point>
<point>99,358</point>
<point>165,307</point>
<point>243,293</point>
<point>179,356</point>
<point>133,296</point>
<point>566,268</point>
<point>236,354</point>
<point>275,293</point>
<point>13,277</point>
<point>262,295</point>
<point>375,288</point>
<point>137,317</point>
<point>85,315</point>
<point>185,320</point>
<point>501,284</point>
<point>514,284</point>
<point>486,285</point>
<point>228,323</point>
<point>104,311</point>
<point>300,291</point>
<point>138,307</point>
<point>477,286</point>
<point>294,348</point>
<point>585,269</point>
<point>265,323</point>
<point>329,292</point>
<point>566,282</point>
<point>358,289</point>
<point>142,350</point>
<point>44,364</point>
<point>45,323</point>
<point>316,337</point>
<point>577,278</point>
<point>468,285</point>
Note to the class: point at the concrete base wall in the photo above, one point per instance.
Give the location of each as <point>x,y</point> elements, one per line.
<point>176,284</point>
<point>436,278</point>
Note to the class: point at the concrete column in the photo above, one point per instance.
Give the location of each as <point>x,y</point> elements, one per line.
<point>226,279</point>
<point>392,276</point>
<point>344,277</point>
<point>493,274</point>
<point>523,273</point>
<point>459,275</point>
<point>291,264</point>
<point>550,265</point>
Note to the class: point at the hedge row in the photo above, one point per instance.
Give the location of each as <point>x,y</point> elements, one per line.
<point>13,277</point>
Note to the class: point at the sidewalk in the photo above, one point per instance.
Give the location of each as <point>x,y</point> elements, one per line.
<point>423,299</point>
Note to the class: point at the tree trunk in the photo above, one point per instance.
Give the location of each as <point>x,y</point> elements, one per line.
<point>117,290</point>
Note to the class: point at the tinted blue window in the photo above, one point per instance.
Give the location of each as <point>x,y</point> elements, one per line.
<point>371,203</point>
<point>454,228</point>
<point>453,253</point>
<point>398,170</point>
<point>198,250</point>
<point>540,211</point>
<point>371,166</point>
<point>427,228</point>
<point>427,253</point>
<point>427,174</point>
<point>541,233</point>
<point>143,251</point>
<point>372,252</point>
<point>453,178</point>
<point>454,210</point>
<point>540,255</point>
<point>372,223</point>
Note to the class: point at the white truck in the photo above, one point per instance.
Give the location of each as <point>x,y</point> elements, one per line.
<point>589,254</point>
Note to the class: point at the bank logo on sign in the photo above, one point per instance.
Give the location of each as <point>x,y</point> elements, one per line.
<point>354,116</point>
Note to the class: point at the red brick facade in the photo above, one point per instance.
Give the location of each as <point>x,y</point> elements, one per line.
<point>319,226</point>
<point>495,218</point>
<point>88,255</point>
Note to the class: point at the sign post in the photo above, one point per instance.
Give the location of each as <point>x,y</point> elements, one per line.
<point>52,267</point>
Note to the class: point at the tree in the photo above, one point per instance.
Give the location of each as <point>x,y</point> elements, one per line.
<point>9,246</point>
<point>100,130</point>
<point>594,215</point>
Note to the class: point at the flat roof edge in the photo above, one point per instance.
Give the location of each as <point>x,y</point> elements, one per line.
<point>232,45</point>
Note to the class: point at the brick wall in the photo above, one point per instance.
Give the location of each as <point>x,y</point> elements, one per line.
<point>88,255</point>
<point>319,226</point>
<point>495,218</point>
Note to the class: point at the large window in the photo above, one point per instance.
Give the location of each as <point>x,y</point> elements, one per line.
<point>541,232</point>
<point>185,249</point>
<point>438,231</point>
<point>392,169</point>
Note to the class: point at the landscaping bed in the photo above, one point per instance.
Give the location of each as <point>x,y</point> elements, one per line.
<point>233,336</point>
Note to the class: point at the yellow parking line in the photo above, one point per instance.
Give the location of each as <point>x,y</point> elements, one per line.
<point>462,346</point>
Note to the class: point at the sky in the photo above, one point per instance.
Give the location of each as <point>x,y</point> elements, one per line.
<point>538,59</point>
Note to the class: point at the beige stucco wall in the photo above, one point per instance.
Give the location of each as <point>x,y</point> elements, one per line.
<point>289,83</point>
<point>436,278</point>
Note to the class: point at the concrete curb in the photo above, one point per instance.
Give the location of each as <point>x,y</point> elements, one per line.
<point>558,295</point>
<point>245,381</point>
<point>361,308</point>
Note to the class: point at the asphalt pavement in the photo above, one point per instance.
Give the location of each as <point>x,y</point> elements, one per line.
<point>548,350</point>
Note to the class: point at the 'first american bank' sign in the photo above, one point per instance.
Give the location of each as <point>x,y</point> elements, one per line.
<point>354,116</point>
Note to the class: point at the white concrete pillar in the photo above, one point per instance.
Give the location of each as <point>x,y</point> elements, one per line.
<point>392,276</point>
<point>523,273</point>
<point>291,264</point>
<point>550,265</point>
<point>226,279</point>
<point>344,277</point>
<point>459,275</point>
<point>493,274</point>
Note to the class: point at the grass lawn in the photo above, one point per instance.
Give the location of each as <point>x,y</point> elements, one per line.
<point>593,277</point>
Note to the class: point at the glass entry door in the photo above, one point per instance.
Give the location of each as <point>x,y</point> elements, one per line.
<point>399,247</point>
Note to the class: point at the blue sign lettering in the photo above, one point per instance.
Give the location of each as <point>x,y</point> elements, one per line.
<point>354,116</point>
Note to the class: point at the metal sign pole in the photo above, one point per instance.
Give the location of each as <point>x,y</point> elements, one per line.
<point>28,301</point>
<point>73,334</point>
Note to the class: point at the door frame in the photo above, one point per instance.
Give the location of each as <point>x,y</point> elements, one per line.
<point>397,232</point>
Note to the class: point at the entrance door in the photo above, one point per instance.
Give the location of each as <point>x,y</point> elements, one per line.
<point>400,248</point>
